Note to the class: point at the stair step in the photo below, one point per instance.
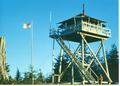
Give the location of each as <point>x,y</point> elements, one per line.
<point>86,74</point>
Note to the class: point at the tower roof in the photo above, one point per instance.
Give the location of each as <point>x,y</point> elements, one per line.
<point>81,16</point>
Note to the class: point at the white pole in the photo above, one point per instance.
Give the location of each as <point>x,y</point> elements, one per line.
<point>32,51</point>
<point>52,49</point>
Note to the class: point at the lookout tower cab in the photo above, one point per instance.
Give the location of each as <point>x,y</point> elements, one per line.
<point>69,29</point>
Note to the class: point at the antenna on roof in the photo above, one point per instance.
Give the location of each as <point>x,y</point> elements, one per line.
<point>83,9</point>
<point>50,18</point>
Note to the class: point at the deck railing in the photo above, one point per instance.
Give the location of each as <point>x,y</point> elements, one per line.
<point>96,29</point>
<point>84,26</point>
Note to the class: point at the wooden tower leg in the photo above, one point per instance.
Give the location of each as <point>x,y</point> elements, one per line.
<point>105,59</point>
<point>94,55</point>
<point>83,57</point>
<point>60,66</point>
<point>72,72</point>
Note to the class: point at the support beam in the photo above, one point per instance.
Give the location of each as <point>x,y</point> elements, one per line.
<point>85,74</point>
<point>98,50</point>
<point>65,70</point>
<point>60,66</point>
<point>105,59</point>
<point>74,22</point>
<point>82,48</point>
<point>78,47</point>
<point>72,72</point>
<point>71,63</point>
<point>94,74</point>
<point>96,58</point>
<point>89,35</point>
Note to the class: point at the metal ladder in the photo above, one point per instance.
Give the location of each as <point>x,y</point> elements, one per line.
<point>84,73</point>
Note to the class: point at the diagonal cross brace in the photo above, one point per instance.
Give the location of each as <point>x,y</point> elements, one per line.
<point>96,58</point>
<point>86,74</point>
<point>61,75</point>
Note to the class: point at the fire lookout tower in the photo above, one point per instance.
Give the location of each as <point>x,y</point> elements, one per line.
<point>83,30</point>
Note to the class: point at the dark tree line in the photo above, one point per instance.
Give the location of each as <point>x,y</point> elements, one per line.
<point>113,64</point>
<point>39,78</point>
<point>67,74</point>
